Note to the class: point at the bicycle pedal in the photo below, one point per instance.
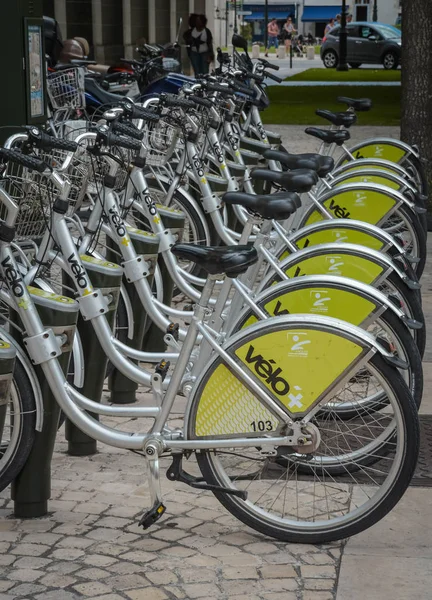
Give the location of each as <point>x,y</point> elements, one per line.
<point>162,368</point>
<point>173,329</point>
<point>151,516</point>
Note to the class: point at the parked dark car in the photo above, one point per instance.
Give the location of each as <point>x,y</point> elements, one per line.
<point>370,43</point>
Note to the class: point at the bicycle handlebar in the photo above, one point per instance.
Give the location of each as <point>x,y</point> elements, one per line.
<point>274,77</point>
<point>128,130</point>
<point>133,111</point>
<point>171,100</point>
<point>44,141</point>
<point>30,162</point>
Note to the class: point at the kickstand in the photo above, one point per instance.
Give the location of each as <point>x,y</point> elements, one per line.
<point>176,473</point>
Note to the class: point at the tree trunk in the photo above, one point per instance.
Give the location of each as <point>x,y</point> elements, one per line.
<point>416,123</point>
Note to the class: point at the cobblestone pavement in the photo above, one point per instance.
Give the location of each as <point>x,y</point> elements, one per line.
<point>90,546</point>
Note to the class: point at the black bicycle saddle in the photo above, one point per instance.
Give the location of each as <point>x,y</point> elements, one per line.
<point>341,119</point>
<point>279,206</point>
<point>216,260</point>
<point>329,137</point>
<point>301,181</point>
<point>322,165</point>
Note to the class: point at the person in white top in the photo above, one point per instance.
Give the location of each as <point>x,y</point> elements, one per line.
<point>289,30</point>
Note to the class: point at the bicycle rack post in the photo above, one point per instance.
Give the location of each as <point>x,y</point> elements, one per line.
<point>174,220</point>
<point>105,276</point>
<point>31,490</point>
<point>123,390</point>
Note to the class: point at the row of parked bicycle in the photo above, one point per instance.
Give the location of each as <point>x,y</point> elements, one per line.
<point>296,329</point>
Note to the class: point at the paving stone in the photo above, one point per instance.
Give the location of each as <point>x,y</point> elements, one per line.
<point>57,595</point>
<point>146,594</point>
<point>125,568</point>
<point>171,535</point>
<point>179,551</point>
<point>162,577</point>
<point>27,589</point>
<point>94,574</point>
<point>96,508</point>
<point>238,587</point>
<point>67,553</point>
<point>317,559</point>
<point>319,572</point>
<point>105,535</point>
<point>260,548</point>
<point>74,542</point>
<point>175,591</point>
<point>240,573</point>
<point>278,584</point>
<point>242,559</point>
<point>64,567</point>
<point>9,536</point>
<point>274,571</point>
<point>98,560</point>
<point>4,547</point>
<point>317,596</point>
<point>193,575</point>
<point>201,590</point>
<point>107,597</point>
<point>279,596</point>
<point>30,549</point>
<point>318,584</point>
<point>6,585</point>
<point>138,556</point>
<point>126,582</point>
<point>76,496</point>
<point>221,550</point>
<point>57,581</point>
<point>92,588</point>
<point>24,575</point>
<point>201,560</point>
<point>41,538</point>
<point>113,522</point>
<point>150,545</point>
<point>7,560</point>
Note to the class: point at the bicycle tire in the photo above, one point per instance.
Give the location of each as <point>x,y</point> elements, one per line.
<point>25,397</point>
<point>325,532</point>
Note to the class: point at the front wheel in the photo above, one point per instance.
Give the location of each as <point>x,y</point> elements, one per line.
<point>17,426</point>
<point>330,59</point>
<point>320,508</point>
<point>390,61</point>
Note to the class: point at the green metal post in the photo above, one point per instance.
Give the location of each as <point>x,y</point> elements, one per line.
<point>31,490</point>
<point>105,276</point>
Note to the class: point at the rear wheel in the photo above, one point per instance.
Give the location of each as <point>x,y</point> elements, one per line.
<point>390,61</point>
<point>320,508</point>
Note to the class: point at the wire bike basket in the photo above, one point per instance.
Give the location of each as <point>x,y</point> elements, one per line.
<point>66,88</point>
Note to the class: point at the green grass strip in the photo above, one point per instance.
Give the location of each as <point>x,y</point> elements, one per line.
<point>351,75</point>
<point>296,106</point>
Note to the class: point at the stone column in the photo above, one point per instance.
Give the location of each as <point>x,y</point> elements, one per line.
<point>60,16</point>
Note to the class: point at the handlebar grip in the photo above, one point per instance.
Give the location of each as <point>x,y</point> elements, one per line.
<point>172,100</point>
<point>127,130</point>
<point>30,162</point>
<point>44,141</point>
<point>274,77</point>
<point>223,89</point>
<point>123,142</point>
<point>201,101</point>
<point>242,89</point>
<point>269,65</point>
<point>133,111</point>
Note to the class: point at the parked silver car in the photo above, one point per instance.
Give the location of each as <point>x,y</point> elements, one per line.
<point>370,43</point>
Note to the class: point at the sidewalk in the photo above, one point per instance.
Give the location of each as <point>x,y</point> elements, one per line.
<point>90,547</point>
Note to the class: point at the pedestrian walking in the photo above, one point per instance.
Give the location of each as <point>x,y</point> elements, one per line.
<point>199,39</point>
<point>272,35</point>
<point>289,30</point>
